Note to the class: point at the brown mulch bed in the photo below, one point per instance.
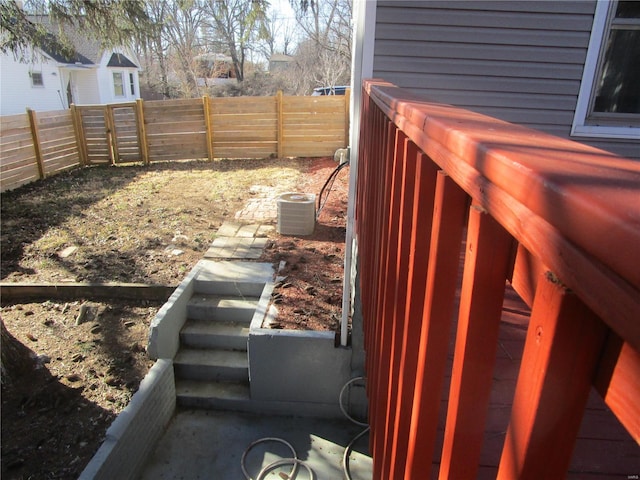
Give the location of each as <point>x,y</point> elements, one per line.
<point>126,223</point>
<point>310,295</point>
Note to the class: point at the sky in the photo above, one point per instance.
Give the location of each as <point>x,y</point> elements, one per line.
<point>284,12</point>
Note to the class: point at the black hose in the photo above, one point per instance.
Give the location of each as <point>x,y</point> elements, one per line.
<point>328,183</point>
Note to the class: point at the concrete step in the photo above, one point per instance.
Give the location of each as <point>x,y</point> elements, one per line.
<point>214,335</point>
<point>214,395</point>
<point>211,365</point>
<point>236,396</point>
<point>221,308</point>
<point>237,289</point>
<point>233,278</point>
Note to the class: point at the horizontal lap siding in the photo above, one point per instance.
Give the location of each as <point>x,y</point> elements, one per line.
<point>518,61</point>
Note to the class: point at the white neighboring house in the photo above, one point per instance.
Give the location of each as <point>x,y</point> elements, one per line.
<point>53,81</point>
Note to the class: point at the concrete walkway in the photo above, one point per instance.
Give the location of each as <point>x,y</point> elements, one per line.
<point>246,237</point>
<point>209,444</point>
<point>262,206</point>
<point>238,241</point>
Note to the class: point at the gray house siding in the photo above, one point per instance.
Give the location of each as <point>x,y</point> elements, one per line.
<point>518,61</point>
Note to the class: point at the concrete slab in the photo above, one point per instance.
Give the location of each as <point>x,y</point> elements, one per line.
<point>228,229</point>
<point>252,254</point>
<point>220,242</point>
<point>236,248</point>
<point>259,243</point>
<point>230,271</point>
<point>202,444</point>
<point>218,252</point>
<point>248,230</point>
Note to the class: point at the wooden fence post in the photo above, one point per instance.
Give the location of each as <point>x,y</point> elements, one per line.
<point>79,131</point>
<point>347,117</point>
<point>110,125</point>
<point>35,135</point>
<point>280,125</point>
<point>209,126</point>
<point>142,131</point>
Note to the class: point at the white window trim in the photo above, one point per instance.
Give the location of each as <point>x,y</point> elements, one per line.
<point>123,77</point>
<point>578,128</point>
<point>38,72</point>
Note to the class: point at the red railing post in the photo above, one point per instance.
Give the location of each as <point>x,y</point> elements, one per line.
<point>370,240</point>
<point>564,343</point>
<point>486,267</point>
<point>450,209</point>
<point>553,200</point>
<point>383,331</point>
<point>395,289</point>
<point>421,174</point>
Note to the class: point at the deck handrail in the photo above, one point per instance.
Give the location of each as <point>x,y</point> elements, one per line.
<point>558,220</point>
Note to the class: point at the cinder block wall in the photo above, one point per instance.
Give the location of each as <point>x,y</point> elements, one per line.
<point>132,437</point>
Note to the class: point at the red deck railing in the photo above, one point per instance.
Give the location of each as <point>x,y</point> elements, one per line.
<point>557,221</point>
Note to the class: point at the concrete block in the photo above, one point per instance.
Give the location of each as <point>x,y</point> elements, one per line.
<point>259,243</point>
<point>297,366</point>
<point>165,327</point>
<point>223,335</point>
<point>132,437</point>
<point>211,365</point>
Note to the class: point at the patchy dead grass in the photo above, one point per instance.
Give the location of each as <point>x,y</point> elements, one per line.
<point>129,222</point>
<point>125,224</point>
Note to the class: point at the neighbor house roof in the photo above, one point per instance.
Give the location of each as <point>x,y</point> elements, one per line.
<point>84,49</point>
<point>279,57</point>
<point>119,60</point>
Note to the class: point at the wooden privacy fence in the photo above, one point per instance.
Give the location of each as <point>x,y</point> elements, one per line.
<point>557,221</point>
<point>35,145</point>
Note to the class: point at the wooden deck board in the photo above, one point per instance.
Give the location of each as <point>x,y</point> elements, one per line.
<point>604,449</point>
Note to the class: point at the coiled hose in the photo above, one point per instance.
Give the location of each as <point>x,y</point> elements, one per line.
<point>347,450</point>
<point>294,460</point>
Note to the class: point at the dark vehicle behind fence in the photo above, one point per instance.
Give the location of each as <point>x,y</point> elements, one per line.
<point>337,90</point>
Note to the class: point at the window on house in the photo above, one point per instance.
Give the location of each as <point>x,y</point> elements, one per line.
<point>609,99</point>
<point>118,84</point>
<point>132,84</point>
<point>36,79</point>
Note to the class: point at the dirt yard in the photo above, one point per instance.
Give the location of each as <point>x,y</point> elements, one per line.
<point>133,224</point>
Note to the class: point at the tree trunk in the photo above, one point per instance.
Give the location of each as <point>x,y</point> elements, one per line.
<point>16,359</point>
